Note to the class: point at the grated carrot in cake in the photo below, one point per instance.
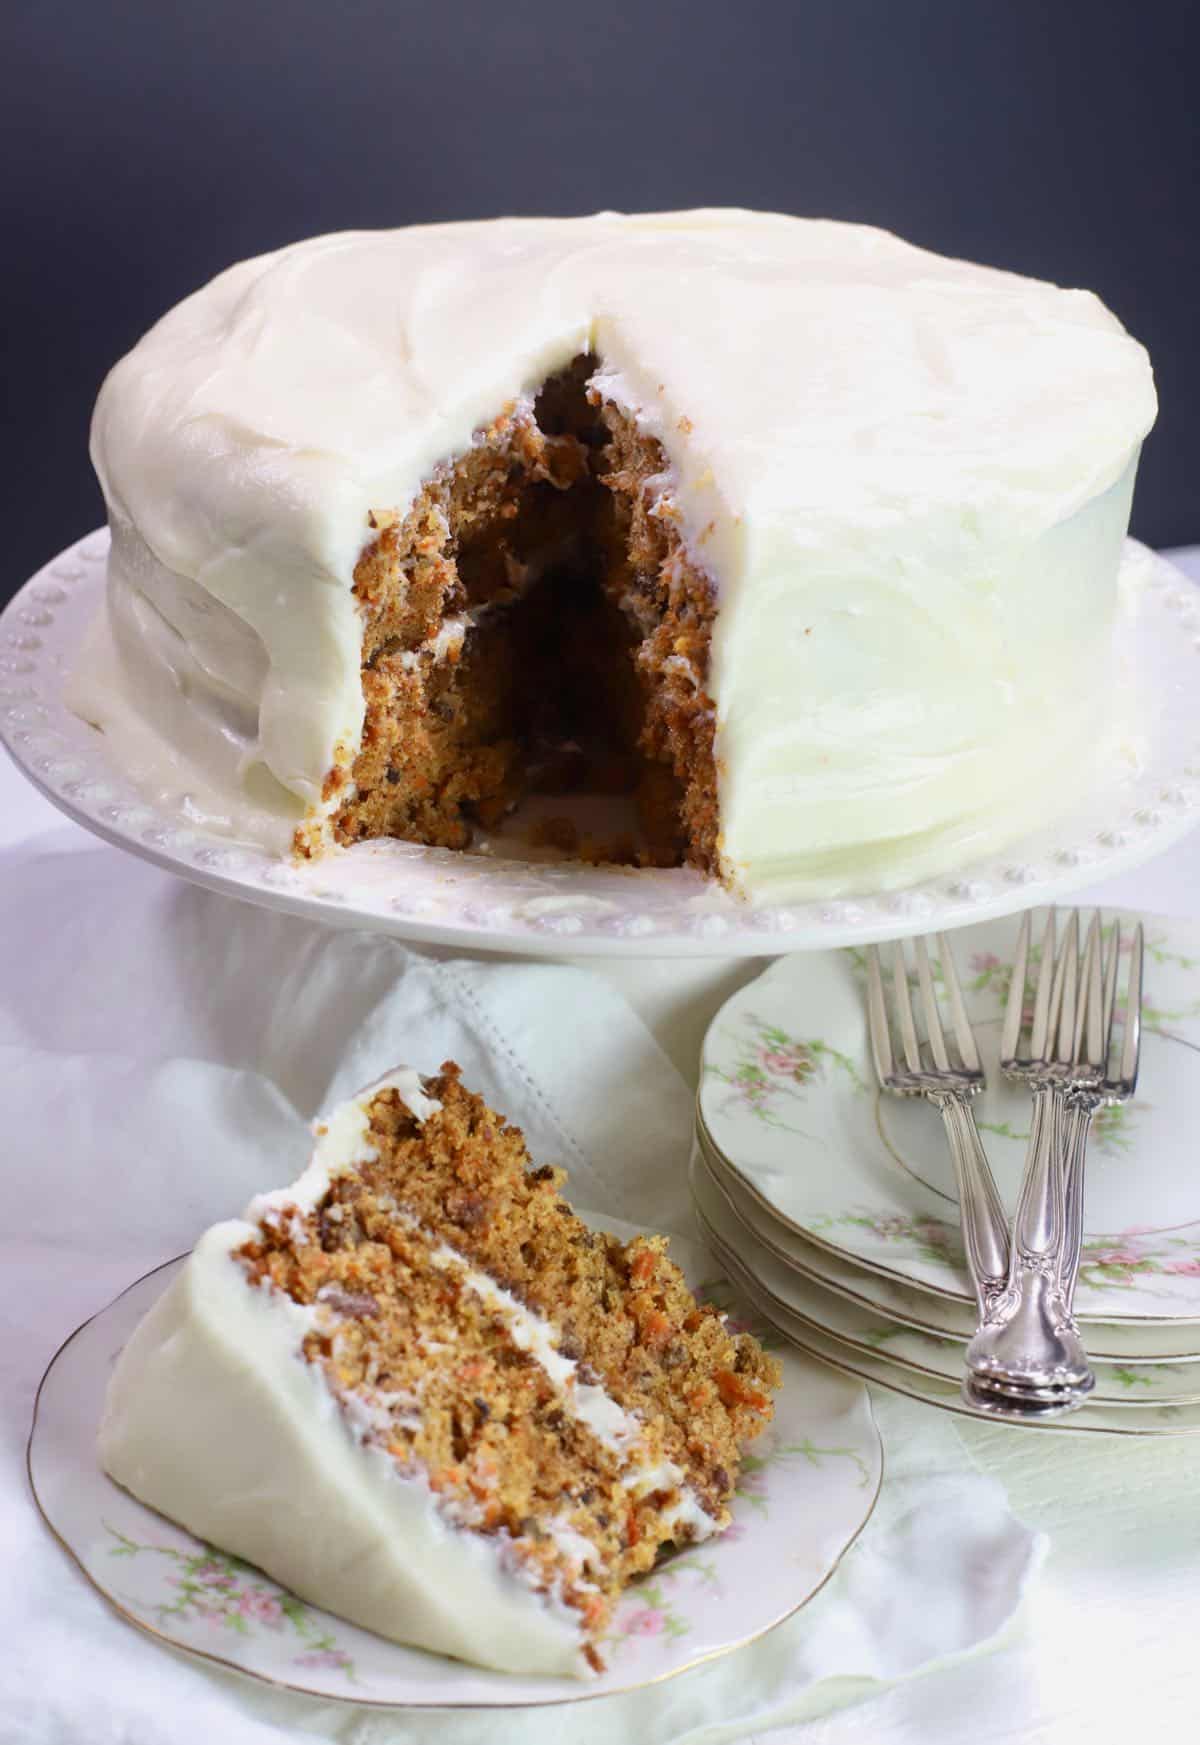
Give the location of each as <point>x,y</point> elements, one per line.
<point>518,1387</point>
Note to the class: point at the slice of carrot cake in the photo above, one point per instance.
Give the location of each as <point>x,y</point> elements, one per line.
<point>420,1392</point>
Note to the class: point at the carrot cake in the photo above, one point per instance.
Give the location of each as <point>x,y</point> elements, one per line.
<point>804,538</point>
<point>418,1391</point>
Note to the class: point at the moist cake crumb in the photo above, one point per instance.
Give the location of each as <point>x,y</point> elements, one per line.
<point>534,623</point>
<point>562,1391</point>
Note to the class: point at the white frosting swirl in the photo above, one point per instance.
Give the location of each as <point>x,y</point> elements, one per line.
<point>893,465</point>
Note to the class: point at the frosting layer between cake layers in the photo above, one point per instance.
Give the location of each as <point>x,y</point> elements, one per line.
<point>215,1417</point>
<point>908,478</point>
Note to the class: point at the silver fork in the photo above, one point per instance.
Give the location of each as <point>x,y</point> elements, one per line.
<point>949,1084</point>
<point>1032,1349</point>
<point>1097,1084</point>
<point>1029,1347</point>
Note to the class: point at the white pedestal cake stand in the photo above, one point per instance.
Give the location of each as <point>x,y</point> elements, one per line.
<point>674,944</point>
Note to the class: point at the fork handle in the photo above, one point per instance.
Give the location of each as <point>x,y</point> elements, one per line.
<point>1031,1340</point>
<point>1038,1227</point>
<point>1077,1125</point>
<point>984,1226</point>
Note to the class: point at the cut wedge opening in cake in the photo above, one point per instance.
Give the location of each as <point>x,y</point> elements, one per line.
<point>420,1392</point>
<point>533,625</point>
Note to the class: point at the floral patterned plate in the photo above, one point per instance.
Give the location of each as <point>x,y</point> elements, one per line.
<point>729,1212</point>
<point>788,1100</point>
<point>1123,1342</point>
<point>815,1474</point>
<point>878,1367</point>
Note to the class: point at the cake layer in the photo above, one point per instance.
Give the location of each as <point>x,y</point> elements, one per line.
<point>214,1421</point>
<point>413,1388</point>
<point>906,478</point>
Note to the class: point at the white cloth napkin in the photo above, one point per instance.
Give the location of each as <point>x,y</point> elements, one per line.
<point>162,1050</point>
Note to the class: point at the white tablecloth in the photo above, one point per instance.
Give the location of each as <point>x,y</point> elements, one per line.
<point>1104,1641</point>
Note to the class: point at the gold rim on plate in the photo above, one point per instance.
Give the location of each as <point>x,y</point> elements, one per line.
<point>704,1135</point>
<point>568,1697</point>
<point>953,1401</point>
<point>712,1162</point>
<point>1106,1402</point>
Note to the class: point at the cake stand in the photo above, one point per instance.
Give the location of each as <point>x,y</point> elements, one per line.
<point>639,926</point>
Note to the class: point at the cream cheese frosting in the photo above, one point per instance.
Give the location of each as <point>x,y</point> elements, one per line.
<point>908,478</point>
<point>215,1418</point>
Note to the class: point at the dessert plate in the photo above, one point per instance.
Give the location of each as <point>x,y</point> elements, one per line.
<point>928,1354</point>
<point>1148,798</point>
<point>807,1490</point>
<point>877,1367</point>
<point>788,1100</point>
<point>885,1299</point>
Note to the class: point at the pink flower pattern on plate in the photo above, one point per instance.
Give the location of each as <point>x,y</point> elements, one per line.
<point>647,1622</point>
<point>263,1607</point>
<point>333,1658</point>
<point>1129,1258</point>
<point>225,1593</point>
<point>773,1070</point>
<point>792,1062</point>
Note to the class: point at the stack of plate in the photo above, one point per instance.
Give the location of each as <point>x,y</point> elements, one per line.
<point>834,1206</point>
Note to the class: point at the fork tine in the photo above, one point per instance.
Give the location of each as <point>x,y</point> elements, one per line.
<point>1089,1018</point>
<point>1110,987</point>
<point>1081,997</point>
<point>904,1011</point>
<point>963,1034</point>
<point>1045,989</point>
<point>881,1041</point>
<point>1133,1013</point>
<point>933,1022</point>
<point>1010,1039</point>
<point>1066,991</point>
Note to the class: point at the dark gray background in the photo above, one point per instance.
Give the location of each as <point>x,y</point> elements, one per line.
<point>143,146</point>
